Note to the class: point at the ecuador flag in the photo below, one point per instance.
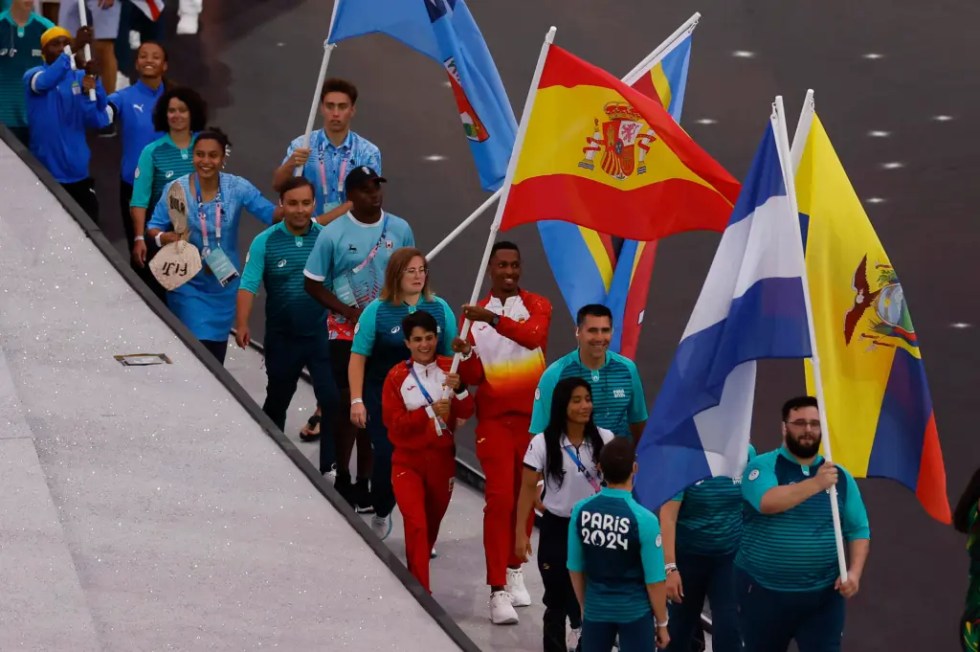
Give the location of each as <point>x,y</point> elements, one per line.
<point>877,402</point>
<point>579,160</point>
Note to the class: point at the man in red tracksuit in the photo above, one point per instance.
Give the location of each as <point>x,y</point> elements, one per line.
<point>509,336</point>
<point>420,423</point>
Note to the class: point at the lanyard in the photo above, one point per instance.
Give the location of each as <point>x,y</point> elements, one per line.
<point>374,251</point>
<point>440,424</point>
<point>581,467</point>
<point>341,173</point>
<point>202,216</point>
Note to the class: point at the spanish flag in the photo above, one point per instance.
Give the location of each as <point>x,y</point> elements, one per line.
<point>580,160</point>
<point>876,397</point>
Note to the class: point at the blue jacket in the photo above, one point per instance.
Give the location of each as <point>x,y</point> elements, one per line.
<point>58,112</point>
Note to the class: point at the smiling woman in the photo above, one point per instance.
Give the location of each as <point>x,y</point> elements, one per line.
<point>379,345</point>
<point>215,201</point>
<point>421,418</point>
<point>180,114</point>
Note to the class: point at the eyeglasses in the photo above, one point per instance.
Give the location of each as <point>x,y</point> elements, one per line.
<point>803,423</point>
<point>412,271</point>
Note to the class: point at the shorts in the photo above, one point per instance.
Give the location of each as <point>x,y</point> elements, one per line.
<point>339,359</point>
<point>104,22</point>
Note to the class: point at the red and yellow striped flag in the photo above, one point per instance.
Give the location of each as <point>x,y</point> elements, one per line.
<point>583,160</point>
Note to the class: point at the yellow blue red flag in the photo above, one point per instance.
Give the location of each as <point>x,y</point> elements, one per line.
<point>876,397</point>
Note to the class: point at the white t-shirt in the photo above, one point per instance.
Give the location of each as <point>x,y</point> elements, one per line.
<point>559,500</point>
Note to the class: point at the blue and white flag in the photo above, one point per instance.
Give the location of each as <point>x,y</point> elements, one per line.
<point>751,307</point>
<point>444,31</point>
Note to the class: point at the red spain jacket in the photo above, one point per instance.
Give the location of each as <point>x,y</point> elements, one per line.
<point>507,361</point>
<point>405,409</point>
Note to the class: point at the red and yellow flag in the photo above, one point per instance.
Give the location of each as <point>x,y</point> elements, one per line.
<point>583,160</point>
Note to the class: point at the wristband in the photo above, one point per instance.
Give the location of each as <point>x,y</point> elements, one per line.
<point>357,401</point>
<point>664,623</point>
<point>158,240</point>
<point>671,566</point>
<point>139,238</point>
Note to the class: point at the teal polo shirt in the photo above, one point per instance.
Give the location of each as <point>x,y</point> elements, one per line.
<point>617,393</point>
<point>20,50</point>
<point>277,258</point>
<point>710,518</point>
<point>796,550</point>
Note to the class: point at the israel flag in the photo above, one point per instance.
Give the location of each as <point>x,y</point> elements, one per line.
<point>751,307</point>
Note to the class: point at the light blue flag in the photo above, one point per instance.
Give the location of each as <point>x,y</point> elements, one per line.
<point>444,31</point>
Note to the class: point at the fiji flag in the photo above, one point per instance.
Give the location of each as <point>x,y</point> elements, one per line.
<point>751,307</point>
<point>444,31</point>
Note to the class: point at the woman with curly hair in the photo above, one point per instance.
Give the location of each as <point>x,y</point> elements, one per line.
<point>181,114</point>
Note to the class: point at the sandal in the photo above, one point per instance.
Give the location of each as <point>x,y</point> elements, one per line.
<point>311,431</point>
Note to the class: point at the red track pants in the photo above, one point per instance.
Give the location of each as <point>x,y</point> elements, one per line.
<point>423,485</point>
<point>500,447</point>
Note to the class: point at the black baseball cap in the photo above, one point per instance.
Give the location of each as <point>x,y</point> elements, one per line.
<point>359,176</point>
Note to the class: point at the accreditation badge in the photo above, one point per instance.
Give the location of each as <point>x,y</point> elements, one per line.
<point>221,266</point>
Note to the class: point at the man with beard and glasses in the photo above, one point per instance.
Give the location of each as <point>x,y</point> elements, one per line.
<point>787,582</point>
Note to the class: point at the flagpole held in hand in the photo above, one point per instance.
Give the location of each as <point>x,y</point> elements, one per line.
<point>321,77</point>
<point>327,49</point>
<point>789,178</point>
<point>83,21</point>
<point>505,189</point>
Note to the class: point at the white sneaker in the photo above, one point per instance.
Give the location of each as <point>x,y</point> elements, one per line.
<point>134,40</point>
<point>501,610</point>
<point>188,24</point>
<point>381,525</point>
<point>572,638</point>
<point>432,553</point>
<point>515,586</point>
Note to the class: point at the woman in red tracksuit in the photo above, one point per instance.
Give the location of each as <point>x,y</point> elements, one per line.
<point>420,423</point>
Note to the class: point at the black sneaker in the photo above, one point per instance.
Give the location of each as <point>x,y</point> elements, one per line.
<point>362,498</point>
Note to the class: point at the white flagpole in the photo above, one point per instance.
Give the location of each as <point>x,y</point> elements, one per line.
<point>505,189</point>
<point>645,64</point>
<point>83,21</point>
<point>802,131</point>
<point>662,50</point>
<point>321,76</point>
<point>481,209</point>
<point>789,178</point>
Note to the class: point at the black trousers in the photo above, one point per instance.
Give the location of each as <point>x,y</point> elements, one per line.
<point>125,195</point>
<point>560,602</point>
<point>83,192</point>
<point>285,357</point>
<point>23,134</point>
<point>217,349</point>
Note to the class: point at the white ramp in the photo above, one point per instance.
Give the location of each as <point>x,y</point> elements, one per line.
<point>145,507</point>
